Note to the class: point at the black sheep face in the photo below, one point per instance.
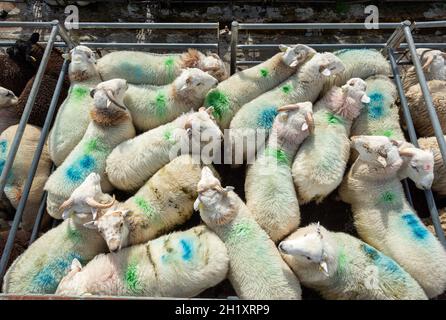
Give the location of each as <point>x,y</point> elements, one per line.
<point>21,50</point>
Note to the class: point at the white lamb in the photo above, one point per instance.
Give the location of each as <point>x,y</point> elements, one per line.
<point>433,63</point>
<point>152,106</point>
<point>180,264</point>
<point>269,188</point>
<point>256,269</point>
<point>134,161</point>
<point>342,267</point>
<point>384,218</point>
<point>73,117</point>
<point>320,162</point>
<point>111,124</point>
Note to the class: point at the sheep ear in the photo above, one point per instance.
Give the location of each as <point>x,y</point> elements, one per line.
<point>295,63</point>
<point>66,56</point>
<point>229,188</point>
<point>326,72</point>
<point>75,265</point>
<point>365,98</point>
<point>210,110</point>
<point>91,225</point>
<point>324,267</point>
<point>66,214</point>
<point>304,126</point>
<point>34,38</point>
<point>283,47</point>
<point>197,204</point>
<point>125,213</point>
<point>382,161</point>
<point>92,93</point>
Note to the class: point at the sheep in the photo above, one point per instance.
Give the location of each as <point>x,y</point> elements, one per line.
<point>20,63</point>
<point>152,106</point>
<point>320,162</point>
<point>430,144</point>
<point>384,218</point>
<point>139,67</point>
<point>19,171</point>
<point>256,269</point>
<point>433,64</point>
<point>134,161</point>
<point>8,116</point>
<point>305,85</point>
<point>73,117</point>
<point>269,188</point>
<point>180,264</point>
<point>110,125</point>
<point>418,109</point>
<point>242,87</point>
<point>165,201</point>
<point>342,267</point>
<point>359,63</point>
<point>41,267</point>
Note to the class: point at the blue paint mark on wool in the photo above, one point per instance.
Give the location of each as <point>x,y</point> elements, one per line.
<point>186,245</point>
<point>380,260</point>
<point>81,168</point>
<point>133,70</point>
<point>418,229</point>
<point>3,146</point>
<point>376,105</point>
<point>266,117</point>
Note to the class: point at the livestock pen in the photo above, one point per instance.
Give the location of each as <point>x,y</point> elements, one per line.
<point>395,48</point>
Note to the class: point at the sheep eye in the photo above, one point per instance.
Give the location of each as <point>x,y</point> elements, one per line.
<point>308,258</point>
<point>416,168</point>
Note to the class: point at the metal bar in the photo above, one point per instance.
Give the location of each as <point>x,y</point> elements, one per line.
<point>397,37</point>
<point>147,25</point>
<point>32,171</point>
<point>317,46</point>
<point>430,24</point>
<point>312,26</point>
<point>26,24</point>
<point>407,192</point>
<point>150,45</point>
<point>413,139</point>
<point>65,35</point>
<point>28,107</point>
<point>426,94</point>
<point>40,213</point>
<point>234,45</point>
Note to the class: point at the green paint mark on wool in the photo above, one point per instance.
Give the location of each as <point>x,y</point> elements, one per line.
<point>73,235</point>
<point>95,145</point>
<point>131,278</point>
<point>79,92</point>
<point>334,119</point>
<point>388,196</point>
<point>342,260</point>
<point>264,72</point>
<point>169,63</point>
<point>160,104</point>
<point>287,88</point>
<point>219,101</point>
<point>145,206</point>
<point>388,133</point>
<point>241,231</point>
<point>279,155</point>
<point>168,135</point>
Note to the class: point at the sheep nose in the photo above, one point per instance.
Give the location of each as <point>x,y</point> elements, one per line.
<point>282,247</point>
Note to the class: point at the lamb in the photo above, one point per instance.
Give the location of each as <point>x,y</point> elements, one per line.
<point>384,218</point>
<point>359,63</point>
<point>418,109</point>
<point>320,163</point>
<point>152,106</point>
<point>180,264</point>
<point>269,188</point>
<point>164,202</point>
<point>342,267</point>
<point>430,144</point>
<point>8,116</point>
<point>41,267</point>
<point>110,125</point>
<point>73,116</point>
<point>305,85</point>
<point>19,171</point>
<point>153,149</point>
<point>256,269</point>
<point>139,67</point>
<point>242,87</point>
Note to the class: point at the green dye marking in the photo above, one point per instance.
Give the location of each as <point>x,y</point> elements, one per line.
<point>219,101</point>
<point>160,104</point>
<point>168,135</point>
<point>333,119</point>
<point>342,260</point>
<point>145,206</point>
<point>170,67</point>
<point>264,72</point>
<point>93,145</point>
<point>79,92</point>
<point>388,133</point>
<point>73,235</point>
<point>287,88</point>
<point>278,154</point>
<point>241,231</point>
<point>131,278</point>
<point>388,196</point>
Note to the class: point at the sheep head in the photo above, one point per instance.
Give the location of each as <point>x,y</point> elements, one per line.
<point>310,247</point>
<point>293,123</point>
<point>418,165</point>
<point>296,55</point>
<point>86,198</point>
<point>109,95</point>
<point>194,82</point>
<point>83,63</point>
<point>354,96</point>
<point>379,150</point>
<point>22,50</point>
<point>212,64</point>
<point>7,98</point>
<point>113,227</point>
<point>329,64</point>
<point>432,60</point>
<point>213,201</point>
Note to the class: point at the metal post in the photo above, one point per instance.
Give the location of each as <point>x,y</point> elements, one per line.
<point>32,171</point>
<point>413,139</point>
<point>65,35</point>
<point>426,94</point>
<point>234,42</point>
<point>26,112</point>
<point>397,37</point>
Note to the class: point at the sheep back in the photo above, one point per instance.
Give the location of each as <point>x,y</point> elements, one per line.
<point>439,183</point>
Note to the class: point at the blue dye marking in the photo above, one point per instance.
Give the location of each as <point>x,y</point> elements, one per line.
<point>266,117</point>
<point>187,249</point>
<point>81,169</point>
<point>417,228</point>
<point>380,260</point>
<point>133,70</point>
<point>87,162</point>
<point>2,164</point>
<point>74,174</point>
<point>3,145</point>
<point>376,105</point>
